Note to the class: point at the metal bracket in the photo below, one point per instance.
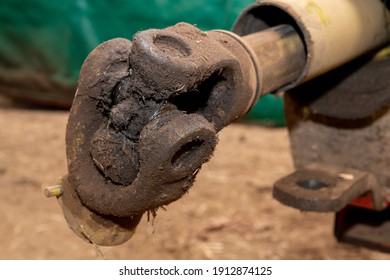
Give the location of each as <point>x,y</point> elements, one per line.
<point>326,188</point>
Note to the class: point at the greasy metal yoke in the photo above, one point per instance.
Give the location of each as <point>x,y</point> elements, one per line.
<point>146,113</point>
<point>144,119</point>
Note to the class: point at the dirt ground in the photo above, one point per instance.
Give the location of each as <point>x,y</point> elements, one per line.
<point>228,214</point>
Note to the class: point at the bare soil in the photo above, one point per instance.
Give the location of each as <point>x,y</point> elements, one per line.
<point>229,213</point>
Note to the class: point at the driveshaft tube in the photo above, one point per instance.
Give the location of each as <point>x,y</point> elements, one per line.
<point>146,114</point>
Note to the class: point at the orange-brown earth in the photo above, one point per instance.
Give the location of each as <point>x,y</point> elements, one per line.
<point>229,213</point>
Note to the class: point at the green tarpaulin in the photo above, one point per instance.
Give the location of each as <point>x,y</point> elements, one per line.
<point>44,43</point>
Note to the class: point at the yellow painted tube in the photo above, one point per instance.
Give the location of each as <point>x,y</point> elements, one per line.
<point>333,31</point>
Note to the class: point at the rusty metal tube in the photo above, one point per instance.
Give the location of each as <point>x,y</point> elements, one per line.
<point>334,32</point>
<point>281,55</point>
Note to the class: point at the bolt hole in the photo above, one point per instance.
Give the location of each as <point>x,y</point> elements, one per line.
<point>312,184</point>
<point>187,153</point>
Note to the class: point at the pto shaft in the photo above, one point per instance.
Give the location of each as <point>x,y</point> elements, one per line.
<point>146,113</point>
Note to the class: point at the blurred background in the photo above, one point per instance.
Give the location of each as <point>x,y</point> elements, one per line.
<point>229,213</point>
<point>43,44</point>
